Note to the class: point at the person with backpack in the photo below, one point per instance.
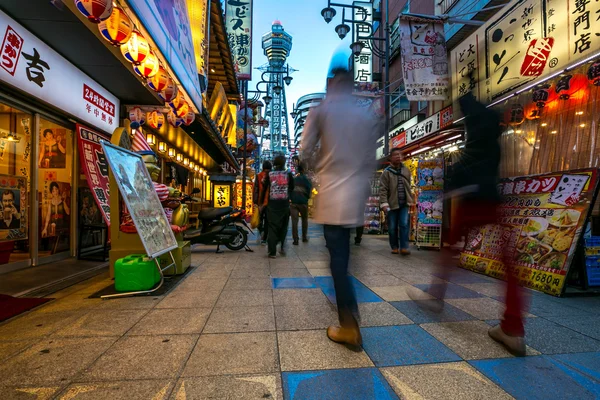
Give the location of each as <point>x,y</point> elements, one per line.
<point>263,226</point>
<point>278,186</point>
<point>300,197</point>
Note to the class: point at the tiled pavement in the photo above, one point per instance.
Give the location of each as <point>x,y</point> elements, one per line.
<point>241,326</point>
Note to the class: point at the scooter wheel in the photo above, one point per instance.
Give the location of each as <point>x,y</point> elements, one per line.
<point>239,241</point>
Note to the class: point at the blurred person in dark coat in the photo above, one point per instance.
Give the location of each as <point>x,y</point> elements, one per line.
<point>340,138</point>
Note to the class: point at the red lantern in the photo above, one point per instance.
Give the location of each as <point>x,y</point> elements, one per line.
<point>543,95</point>
<point>532,111</point>
<point>137,117</point>
<point>174,119</point>
<point>515,115</point>
<point>156,119</point>
<point>136,49</point>
<point>117,29</point>
<point>159,81</point>
<point>169,92</point>
<point>568,85</point>
<point>189,118</point>
<point>149,67</point>
<point>594,74</point>
<point>95,10</point>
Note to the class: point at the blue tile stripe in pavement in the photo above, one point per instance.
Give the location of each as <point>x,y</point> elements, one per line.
<point>363,293</point>
<point>293,283</point>
<point>404,345</point>
<point>545,377</point>
<point>347,384</point>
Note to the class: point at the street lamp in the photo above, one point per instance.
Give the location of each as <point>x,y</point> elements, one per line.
<point>328,13</point>
<point>342,30</point>
<point>357,48</point>
<point>267,99</point>
<point>288,80</point>
<point>277,89</point>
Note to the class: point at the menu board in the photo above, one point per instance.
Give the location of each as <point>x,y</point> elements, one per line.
<point>137,189</point>
<point>541,222</point>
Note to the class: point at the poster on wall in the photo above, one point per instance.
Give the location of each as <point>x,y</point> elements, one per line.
<point>542,219</point>
<point>95,168</point>
<point>424,59</point>
<point>430,174</point>
<point>430,206</point>
<point>145,208</point>
<point>53,148</point>
<point>55,213</point>
<point>13,193</point>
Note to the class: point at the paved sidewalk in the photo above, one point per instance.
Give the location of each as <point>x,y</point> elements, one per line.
<point>241,326</point>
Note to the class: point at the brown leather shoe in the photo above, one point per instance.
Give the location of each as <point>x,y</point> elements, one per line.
<point>405,252</point>
<point>349,336</point>
<point>395,251</point>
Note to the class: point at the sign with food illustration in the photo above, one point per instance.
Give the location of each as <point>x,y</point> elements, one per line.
<point>542,218</point>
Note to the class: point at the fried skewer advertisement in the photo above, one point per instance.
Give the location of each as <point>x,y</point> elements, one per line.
<point>541,221</point>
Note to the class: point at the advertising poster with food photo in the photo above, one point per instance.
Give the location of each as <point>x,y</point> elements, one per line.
<point>542,219</point>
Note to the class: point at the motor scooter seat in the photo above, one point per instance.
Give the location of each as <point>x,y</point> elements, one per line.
<point>213,213</point>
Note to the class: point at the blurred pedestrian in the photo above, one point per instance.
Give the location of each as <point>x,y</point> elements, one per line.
<point>263,226</point>
<point>278,186</point>
<point>396,198</point>
<point>300,197</point>
<point>473,186</point>
<point>340,139</point>
<point>360,230</point>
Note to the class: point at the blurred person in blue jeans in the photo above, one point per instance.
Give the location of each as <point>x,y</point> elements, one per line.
<point>340,138</point>
<point>396,198</point>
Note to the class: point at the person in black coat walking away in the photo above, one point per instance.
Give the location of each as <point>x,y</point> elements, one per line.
<point>300,197</point>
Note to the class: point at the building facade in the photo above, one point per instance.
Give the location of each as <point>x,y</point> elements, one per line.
<point>305,103</point>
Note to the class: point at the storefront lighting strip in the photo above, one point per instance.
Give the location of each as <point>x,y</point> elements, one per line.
<point>420,151</point>
<point>553,75</point>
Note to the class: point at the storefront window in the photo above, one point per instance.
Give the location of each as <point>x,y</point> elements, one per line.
<point>15,165</point>
<point>55,173</point>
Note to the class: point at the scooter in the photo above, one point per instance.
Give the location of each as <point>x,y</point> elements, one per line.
<point>221,226</point>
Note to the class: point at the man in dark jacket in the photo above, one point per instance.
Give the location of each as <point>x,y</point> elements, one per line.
<point>263,225</point>
<point>300,197</point>
<point>395,199</point>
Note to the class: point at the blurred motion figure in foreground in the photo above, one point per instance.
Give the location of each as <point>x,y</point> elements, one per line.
<point>340,142</point>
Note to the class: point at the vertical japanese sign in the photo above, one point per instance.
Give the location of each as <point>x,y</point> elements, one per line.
<point>28,64</point>
<point>198,13</point>
<point>238,16</point>
<point>95,168</point>
<point>424,59</point>
<point>465,67</point>
<point>542,219</point>
<point>363,63</point>
<point>222,196</point>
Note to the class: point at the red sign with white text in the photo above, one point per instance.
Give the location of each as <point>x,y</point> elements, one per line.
<point>11,50</point>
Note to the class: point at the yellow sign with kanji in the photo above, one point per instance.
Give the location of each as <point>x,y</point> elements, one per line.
<point>222,196</point>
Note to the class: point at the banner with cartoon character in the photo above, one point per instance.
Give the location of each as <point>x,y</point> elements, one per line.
<point>430,174</point>
<point>542,219</point>
<point>430,204</point>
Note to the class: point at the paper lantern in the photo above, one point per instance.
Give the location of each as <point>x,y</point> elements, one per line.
<point>515,115</point>
<point>568,85</point>
<point>543,95</point>
<point>137,117</point>
<point>183,110</point>
<point>169,92</point>
<point>593,74</point>
<point>178,101</point>
<point>136,49</point>
<point>532,111</point>
<point>156,119</point>
<point>149,67</point>
<point>95,10</point>
<point>117,29</point>
<point>159,81</point>
<point>174,119</point>
<point>189,117</point>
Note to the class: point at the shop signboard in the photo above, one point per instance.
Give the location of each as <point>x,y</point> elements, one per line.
<point>363,62</point>
<point>28,64</point>
<point>238,19</point>
<point>95,168</point>
<point>168,24</point>
<point>398,135</point>
<point>141,199</point>
<point>542,219</point>
<point>438,121</point>
<point>222,195</point>
<point>527,40</point>
<point>424,59</point>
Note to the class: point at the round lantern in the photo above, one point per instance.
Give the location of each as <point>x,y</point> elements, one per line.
<point>178,101</point>
<point>137,117</point>
<point>169,92</point>
<point>188,118</point>
<point>136,49</point>
<point>156,119</point>
<point>174,119</point>
<point>532,111</point>
<point>594,74</point>
<point>95,10</point>
<point>117,29</point>
<point>148,68</point>
<point>543,94</point>
<point>568,85</point>
<point>183,110</point>
<point>515,115</point>
<point>159,81</point>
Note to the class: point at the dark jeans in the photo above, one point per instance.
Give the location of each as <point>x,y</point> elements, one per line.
<point>398,222</point>
<point>263,225</point>
<point>360,230</point>
<point>298,210</point>
<point>337,239</point>
<point>278,219</point>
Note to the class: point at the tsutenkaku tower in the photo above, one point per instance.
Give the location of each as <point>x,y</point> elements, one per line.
<point>277,45</point>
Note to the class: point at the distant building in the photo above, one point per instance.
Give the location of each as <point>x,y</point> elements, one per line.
<point>305,103</point>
